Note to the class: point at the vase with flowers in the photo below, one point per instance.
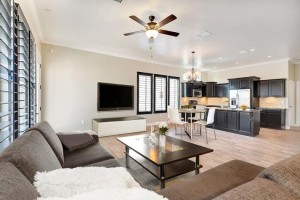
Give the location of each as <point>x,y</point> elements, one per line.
<point>162,129</point>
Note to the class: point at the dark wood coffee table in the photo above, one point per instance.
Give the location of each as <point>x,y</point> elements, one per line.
<point>163,162</point>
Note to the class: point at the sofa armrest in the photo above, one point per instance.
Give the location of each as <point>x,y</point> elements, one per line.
<point>95,137</point>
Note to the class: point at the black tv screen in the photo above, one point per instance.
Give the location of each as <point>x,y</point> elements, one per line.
<point>114,97</point>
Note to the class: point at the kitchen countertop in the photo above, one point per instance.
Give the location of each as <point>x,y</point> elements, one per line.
<point>239,109</point>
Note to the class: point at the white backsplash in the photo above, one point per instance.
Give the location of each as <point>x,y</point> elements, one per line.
<point>273,102</point>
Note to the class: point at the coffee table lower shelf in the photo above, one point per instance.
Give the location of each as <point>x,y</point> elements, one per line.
<point>171,170</point>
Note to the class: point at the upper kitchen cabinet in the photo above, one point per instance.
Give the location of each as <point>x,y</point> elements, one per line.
<point>187,89</point>
<point>221,90</point>
<point>272,88</point>
<point>242,83</point>
<point>277,88</point>
<point>210,89</point>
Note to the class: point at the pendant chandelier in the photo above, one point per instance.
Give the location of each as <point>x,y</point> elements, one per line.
<point>192,76</point>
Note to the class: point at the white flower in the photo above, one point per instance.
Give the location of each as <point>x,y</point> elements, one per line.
<point>162,124</point>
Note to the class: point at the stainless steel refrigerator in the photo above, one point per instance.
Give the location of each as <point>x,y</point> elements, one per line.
<point>240,97</point>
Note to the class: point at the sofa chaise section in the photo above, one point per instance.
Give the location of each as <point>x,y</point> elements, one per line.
<point>90,155</point>
<point>213,182</point>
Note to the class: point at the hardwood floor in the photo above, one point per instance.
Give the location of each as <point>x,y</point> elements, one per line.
<point>270,147</point>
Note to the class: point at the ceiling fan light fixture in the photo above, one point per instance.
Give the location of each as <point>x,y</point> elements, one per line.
<point>152,33</point>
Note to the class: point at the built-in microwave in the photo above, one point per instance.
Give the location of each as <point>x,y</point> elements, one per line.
<point>197,93</point>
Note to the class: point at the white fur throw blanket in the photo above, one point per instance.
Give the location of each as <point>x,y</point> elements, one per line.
<point>114,194</point>
<point>70,182</point>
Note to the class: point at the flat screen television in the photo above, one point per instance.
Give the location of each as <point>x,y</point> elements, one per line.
<point>115,97</point>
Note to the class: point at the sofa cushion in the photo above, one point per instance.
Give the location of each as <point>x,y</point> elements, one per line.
<point>47,131</point>
<point>30,153</point>
<point>258,189</point>
<point>14,185</point>
<point>86,156</point>
<point>213,182</point>
<point>106,163</point>
<point>285,173</point>
<point>72,141</point>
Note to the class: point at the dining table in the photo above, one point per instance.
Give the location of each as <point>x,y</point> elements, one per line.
<point>190,111</point>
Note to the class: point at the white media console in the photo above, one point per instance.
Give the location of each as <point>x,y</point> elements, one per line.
<point>120,125</point>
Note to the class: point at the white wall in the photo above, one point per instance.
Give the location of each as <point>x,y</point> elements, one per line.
<point>69,85</point>
<point>297,80</point>
<point>270,70</point>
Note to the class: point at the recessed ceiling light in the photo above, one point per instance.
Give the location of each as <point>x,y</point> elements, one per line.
<point>236,62</point>
<point>203,34</point>
<point>215,67</point>
<point>220,57</point>
<point>269,56</point>
<point>252,50</point>
<point>243,51</point>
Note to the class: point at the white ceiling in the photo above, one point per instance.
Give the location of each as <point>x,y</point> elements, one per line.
<point>270,27</point>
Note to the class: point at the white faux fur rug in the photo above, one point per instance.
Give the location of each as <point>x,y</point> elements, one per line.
<point>114,194</point>
<point>69,182</point>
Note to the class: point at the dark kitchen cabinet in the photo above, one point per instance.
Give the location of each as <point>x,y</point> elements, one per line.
<point>232,120</point>
<point>210,89</point>
<point>220,118</point>
<point>221,90</point>
<point>263,117</point>
<point>277,88</point>
<point>187,89</point>
<point>245,83</point>
<point>272,118</point>
<point>272,88</point>
<point>234,84</point>
<point>264,88</point>
<point>245,126</point>
<point>242,83</point>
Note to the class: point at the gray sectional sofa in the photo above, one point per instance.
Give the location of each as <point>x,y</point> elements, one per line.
<point>39,149</point>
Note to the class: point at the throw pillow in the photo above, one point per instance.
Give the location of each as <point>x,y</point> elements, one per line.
<point>114,194</point>
<point>72,141</point>
<point>68,182</point>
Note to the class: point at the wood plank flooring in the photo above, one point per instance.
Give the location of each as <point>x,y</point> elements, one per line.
<point>270,147</point>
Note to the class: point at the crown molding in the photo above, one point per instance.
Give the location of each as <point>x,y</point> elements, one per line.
<point>110,54</point>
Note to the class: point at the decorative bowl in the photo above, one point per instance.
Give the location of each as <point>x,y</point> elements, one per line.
<point>244,107</point>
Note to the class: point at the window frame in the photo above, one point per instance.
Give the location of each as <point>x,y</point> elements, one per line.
<point>178,78</point>
<point>151,92</point>
<point>166,92</point>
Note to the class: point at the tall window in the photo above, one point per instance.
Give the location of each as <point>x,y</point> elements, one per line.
<point>165,92</point>
<point>173,91</point>
<point>144,92</point>
<point>6,74</point>
<point>160,93</point>
<point>17,74</point>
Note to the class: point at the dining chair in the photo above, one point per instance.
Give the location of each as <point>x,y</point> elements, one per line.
<point>198,116</point>
<point>209,121</point>
<point>174,118</point>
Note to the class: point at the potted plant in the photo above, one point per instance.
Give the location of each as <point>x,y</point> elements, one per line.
<point>162,129</point>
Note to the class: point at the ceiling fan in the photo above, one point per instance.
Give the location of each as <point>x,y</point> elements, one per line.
<point>152,29</point>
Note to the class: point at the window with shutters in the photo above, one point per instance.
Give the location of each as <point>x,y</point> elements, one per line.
<point>160,93</point>
<point>17,74</point>
<point>173,91</point>
<point>144,92</point>
<point>6,74</point>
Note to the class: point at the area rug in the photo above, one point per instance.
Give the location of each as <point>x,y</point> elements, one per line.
<point>147,180</point>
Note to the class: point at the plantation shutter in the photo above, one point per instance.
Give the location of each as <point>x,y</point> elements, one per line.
<point>160,100</point>
<point>174,88</point>
<point>6,74</point>
<point>144,93</point>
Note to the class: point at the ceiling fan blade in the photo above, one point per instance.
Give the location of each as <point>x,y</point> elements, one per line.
<point>135,32</point>
<point>138,20</point>
<point>171,33</point>
<point>166,20</point>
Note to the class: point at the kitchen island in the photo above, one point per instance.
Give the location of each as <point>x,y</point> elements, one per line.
<point>244,122</point>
